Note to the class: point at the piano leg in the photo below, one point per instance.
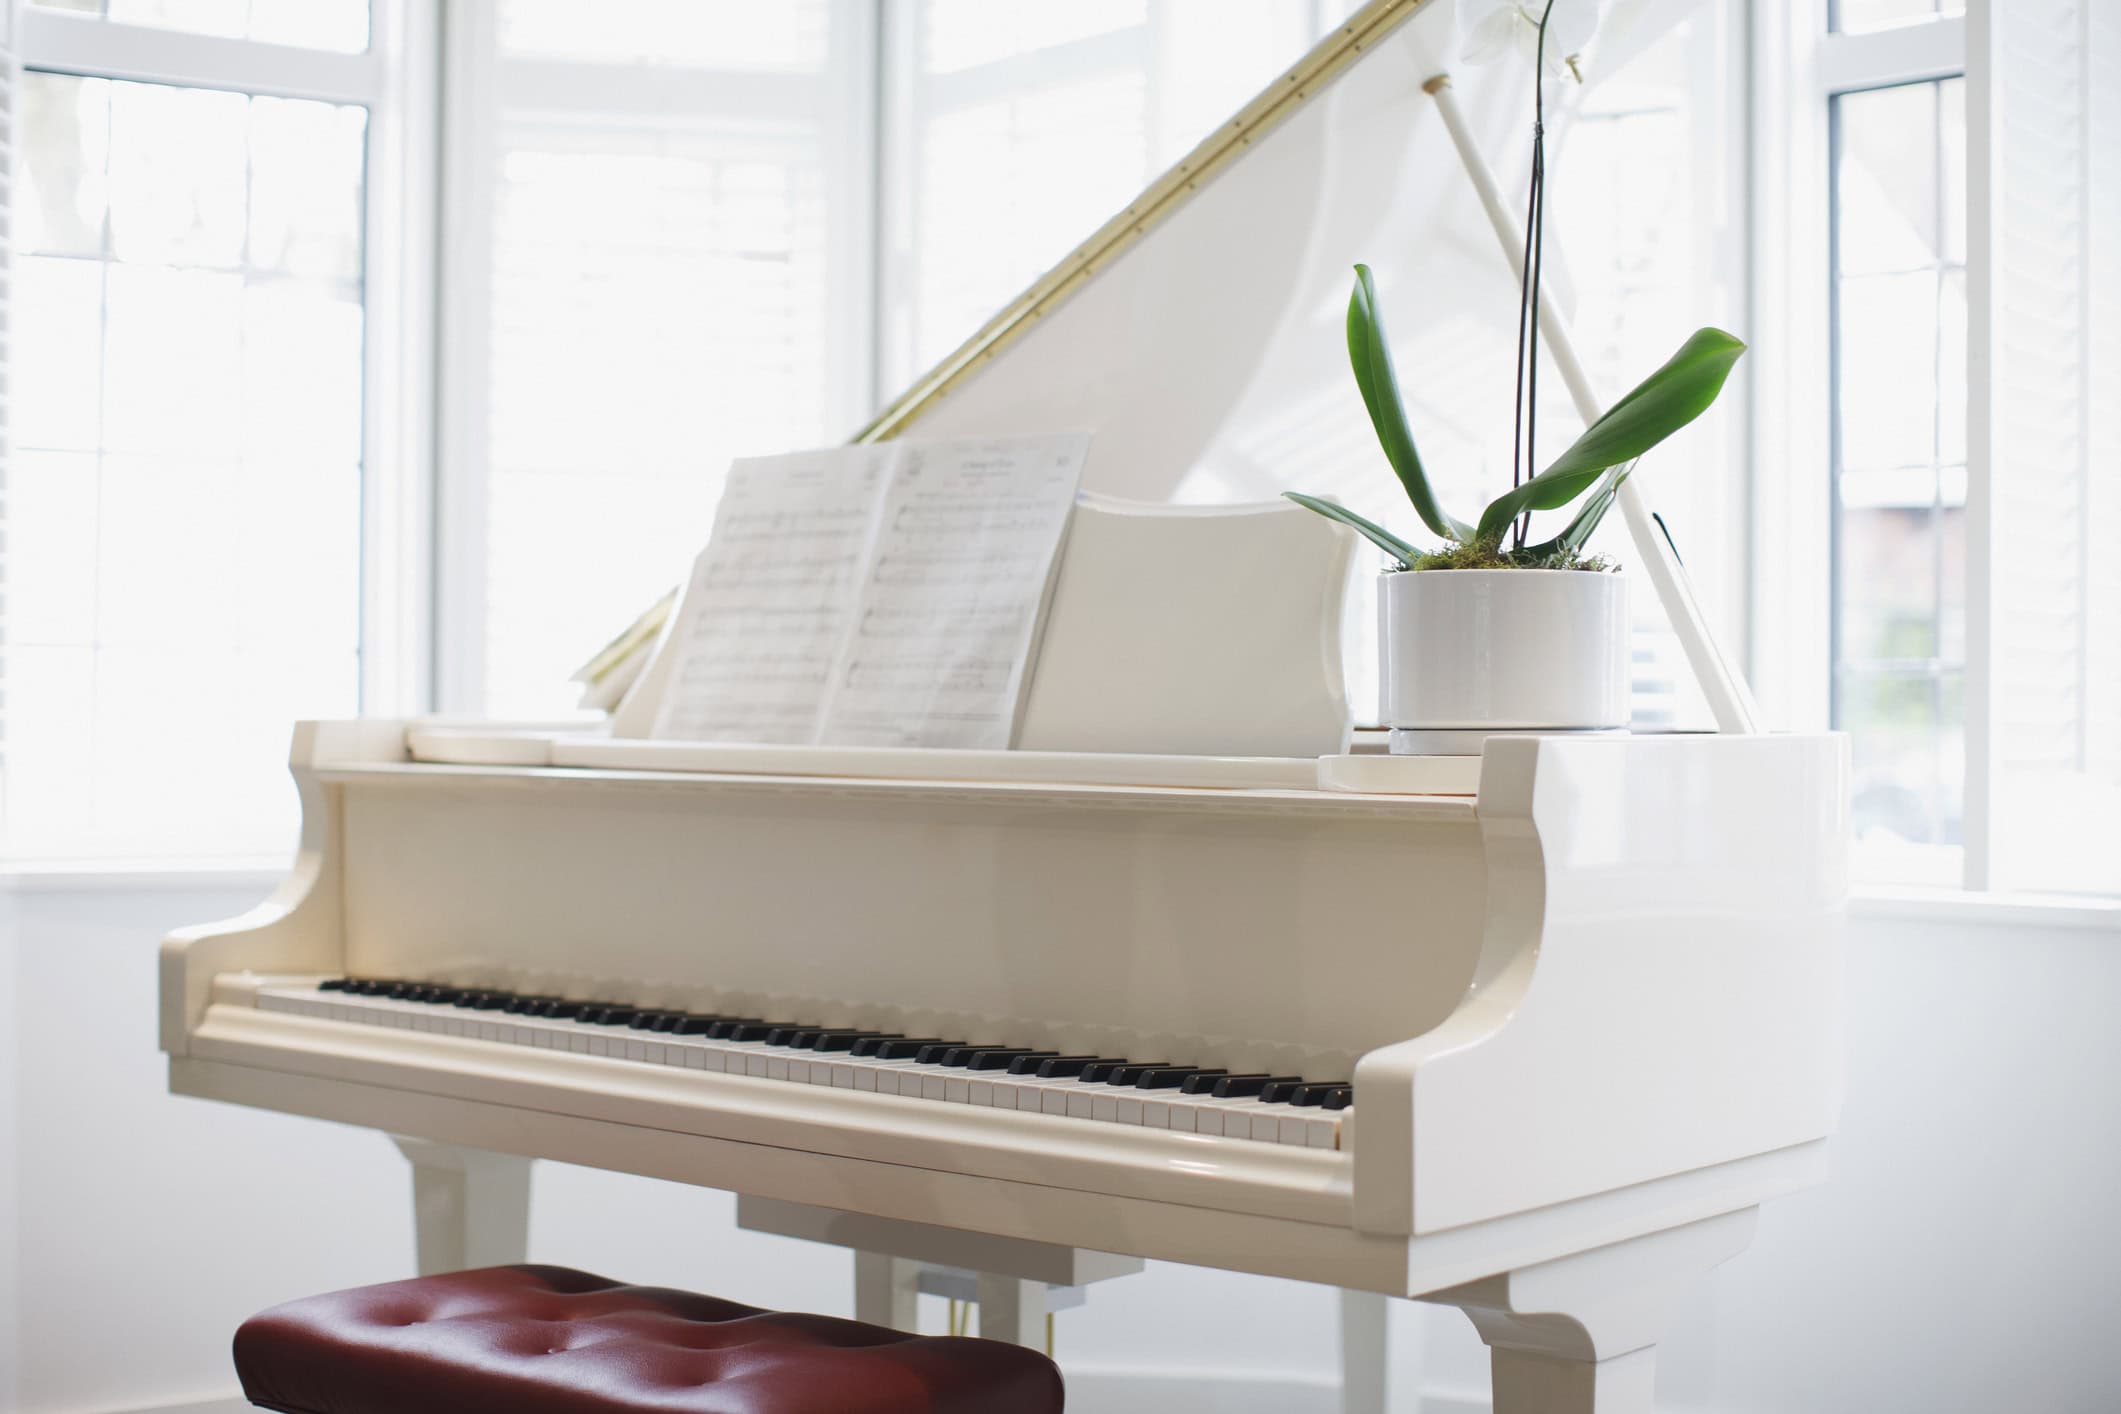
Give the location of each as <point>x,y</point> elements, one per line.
<point>1579,1335</point>
<point>887,1290</point>
<point>1012,1309</point>
<point>470,1208</point>
<point>1363,1336</point>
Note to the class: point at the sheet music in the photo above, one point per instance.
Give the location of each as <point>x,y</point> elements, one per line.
<point>965,551</point>
<point>772,598</point>
<point>886,594</point>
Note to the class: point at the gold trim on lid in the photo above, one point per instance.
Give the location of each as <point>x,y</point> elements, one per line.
<point>1164,196</point>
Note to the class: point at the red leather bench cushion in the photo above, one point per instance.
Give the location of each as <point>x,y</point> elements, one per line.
<point>547,1340</point>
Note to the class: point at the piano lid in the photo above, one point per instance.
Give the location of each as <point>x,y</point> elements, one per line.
<point>1200,333</point>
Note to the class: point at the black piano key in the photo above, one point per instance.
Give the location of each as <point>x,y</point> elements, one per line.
<point>1036,1063</point>
<point>829,1037</point>
<point>563,1010</point>
<point>748,1031</point>
<point>332,984</point>
<point>490,1001</point>
<point>728,1026</point>
<point>696,1023</point>
<point>1170,1077</point>
<point>1203,1082</point>
<point>895,1048</point>
<point>1129,1072</point>
<point>524,1006</point>
<point>643,1020</point>
<point>1312,1093</point>
<point>934,1051</point>
<point>1281,1091</point>
<point>836,1041</point>
<point>791,1033</point>
<point>611,1016</point>
<point>962,1055</point>
<point>1245,1087</point>
<point>1004,1057</point>
<point>1340,1097</point>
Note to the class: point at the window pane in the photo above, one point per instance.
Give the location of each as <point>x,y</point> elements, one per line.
<point>337,25</point>
<point>66,132</point>
<point>185,508</point>
<point>662,295</point>
<point>1891,173</point>
<point>1900,476</point>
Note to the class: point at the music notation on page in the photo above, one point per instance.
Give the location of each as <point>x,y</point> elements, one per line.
<point>886,594</point>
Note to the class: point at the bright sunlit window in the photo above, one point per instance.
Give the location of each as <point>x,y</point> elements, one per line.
<point>184,498</point>
<point>1900,570</point>
<point>660,267</point>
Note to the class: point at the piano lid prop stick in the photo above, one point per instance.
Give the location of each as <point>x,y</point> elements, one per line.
<point>1728,697</point>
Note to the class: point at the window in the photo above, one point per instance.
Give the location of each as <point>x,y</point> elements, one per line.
<point>1899,508</point>
<point>185,575</point>
<point>1933,183</point>
<point>661,264</point>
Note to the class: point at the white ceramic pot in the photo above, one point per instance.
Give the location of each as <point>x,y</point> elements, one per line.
<point>1469,652</point>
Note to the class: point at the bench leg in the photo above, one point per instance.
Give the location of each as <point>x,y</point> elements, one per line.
<point>887,1291</point>
<point>1578,1335</point>
<point>470,1208</point>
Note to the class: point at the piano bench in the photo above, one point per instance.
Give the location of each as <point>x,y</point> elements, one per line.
<point>547,1340</point>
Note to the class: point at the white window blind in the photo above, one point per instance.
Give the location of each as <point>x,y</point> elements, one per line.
<point>661,264</point>
<point>2046,328</point>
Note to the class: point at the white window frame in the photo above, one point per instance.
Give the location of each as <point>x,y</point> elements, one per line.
<point>1799,69</point>
<point>394,80</point>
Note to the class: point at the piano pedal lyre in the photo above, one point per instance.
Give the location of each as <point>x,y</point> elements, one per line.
<point>1016,1283</point>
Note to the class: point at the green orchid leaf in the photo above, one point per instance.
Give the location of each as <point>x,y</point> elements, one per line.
<point>1660,405</point>
<point>1587,518</point>
<point>1370,530</point>
<point>1371,358</point>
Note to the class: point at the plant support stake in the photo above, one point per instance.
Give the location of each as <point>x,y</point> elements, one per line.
<point>1728,697</point>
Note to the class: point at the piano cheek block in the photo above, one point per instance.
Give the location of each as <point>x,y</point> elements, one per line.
<point>548,1340</point>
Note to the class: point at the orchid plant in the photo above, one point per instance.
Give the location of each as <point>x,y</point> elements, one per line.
<point>1593,468</point>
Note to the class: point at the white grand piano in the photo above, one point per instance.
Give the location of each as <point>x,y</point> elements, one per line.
<point>1536,1043</point>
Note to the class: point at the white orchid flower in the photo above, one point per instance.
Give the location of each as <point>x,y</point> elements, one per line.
<point>1495,27</point>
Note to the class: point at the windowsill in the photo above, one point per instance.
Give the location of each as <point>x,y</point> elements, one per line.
<point>2073,912</point>
<point>143,876</point>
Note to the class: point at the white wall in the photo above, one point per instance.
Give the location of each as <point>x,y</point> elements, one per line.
<point>1963,1258</point>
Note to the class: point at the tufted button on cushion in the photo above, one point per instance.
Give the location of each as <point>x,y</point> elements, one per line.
<point>547,1340</point>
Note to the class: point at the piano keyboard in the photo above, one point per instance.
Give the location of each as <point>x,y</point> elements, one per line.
<point>1155,1094</point>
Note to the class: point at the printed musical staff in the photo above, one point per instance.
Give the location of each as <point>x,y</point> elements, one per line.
<point>875,595</point>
